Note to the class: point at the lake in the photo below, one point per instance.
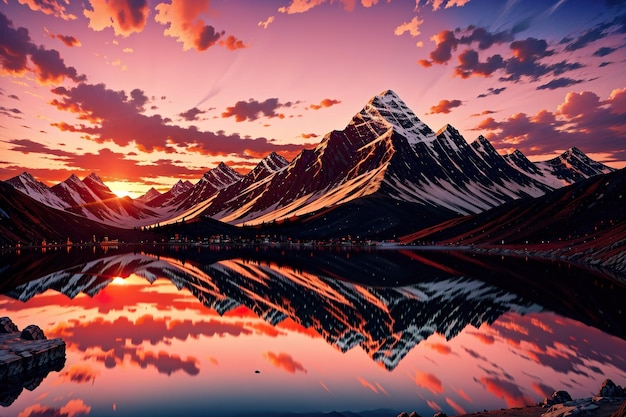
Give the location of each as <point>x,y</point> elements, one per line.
<point>218,331</point>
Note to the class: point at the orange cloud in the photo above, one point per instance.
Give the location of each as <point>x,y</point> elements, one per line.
<point>455,406</point>
<point>231,43</point>
<point>464,395</point>
<point>73,408</point>
<point>542,390</point>
<point>429,381</point>
<point>509,392</point>
<point>284,361</point>
<point>367,385</point>
<point>440,347</point>
<point>445,106</point>
<point>485,338</point>
<point>267,22</point>
<point>327,102</point>
<point>50,7</point>
<point>69,41</point>
<point>185,24</point>
<point>79,373</point>
<point>124,16</point>
<point>412,27</point>
<point>433,405</point>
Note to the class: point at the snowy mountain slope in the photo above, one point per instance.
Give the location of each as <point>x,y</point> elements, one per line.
<point>384,152</point>
<point>26,220</point>
<point>37,190</point>
<point>150,195</point>
<point>155,199</point>
<point>211,182</point>
<point>569,167</point>
<point>577,216</point>
<point>89,198</point>
<point>385,149</point>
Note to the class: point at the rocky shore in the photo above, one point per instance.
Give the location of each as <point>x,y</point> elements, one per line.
<point>610,401</point>
<point>26,358</point>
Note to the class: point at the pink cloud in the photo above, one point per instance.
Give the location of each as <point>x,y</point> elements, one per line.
<point>124,16</point>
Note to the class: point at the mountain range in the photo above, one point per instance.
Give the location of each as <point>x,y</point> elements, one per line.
<point>386,174</point>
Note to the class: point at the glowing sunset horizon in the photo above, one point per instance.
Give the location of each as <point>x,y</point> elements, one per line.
<point>151,92</point>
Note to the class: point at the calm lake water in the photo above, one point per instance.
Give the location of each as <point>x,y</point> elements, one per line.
<point>266,331</point>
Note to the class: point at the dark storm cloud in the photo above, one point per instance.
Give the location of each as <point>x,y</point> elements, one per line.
<point>252,109</point>
<point>16,48</point>
<point>604,51</point>
<point>525,59</point>
<point>486,39</point>
<point>491,92</point>
<point>559,83</point>
<point>191,114</point>
<point>600,31</point>
<point>470,65</point>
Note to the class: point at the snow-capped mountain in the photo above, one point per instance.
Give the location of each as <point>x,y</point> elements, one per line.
<point>384,151</point>
<point>211,182</point>
<point>37,190</point>
<point>150,195</point>
<point>155,199</point>
<point>569,167</point>
<point>89,198</point>
<point>385,157</point>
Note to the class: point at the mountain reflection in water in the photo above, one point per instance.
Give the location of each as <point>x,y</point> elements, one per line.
<point>404,309</point>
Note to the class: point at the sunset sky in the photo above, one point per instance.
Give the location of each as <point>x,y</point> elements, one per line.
<point>144,92</point>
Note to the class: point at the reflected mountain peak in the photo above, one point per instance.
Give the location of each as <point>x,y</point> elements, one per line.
<point>386,322</point>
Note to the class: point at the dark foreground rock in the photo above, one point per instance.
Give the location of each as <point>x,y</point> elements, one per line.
<point>25,358</point>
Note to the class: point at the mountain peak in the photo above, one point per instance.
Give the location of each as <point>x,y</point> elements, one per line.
<point>390,94</point>
<point>151,194</point>
<point>387,110</point>
<point>221,176</point>
<point>447,128</point>
<point>94,177</point>
<point>72,179</point>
